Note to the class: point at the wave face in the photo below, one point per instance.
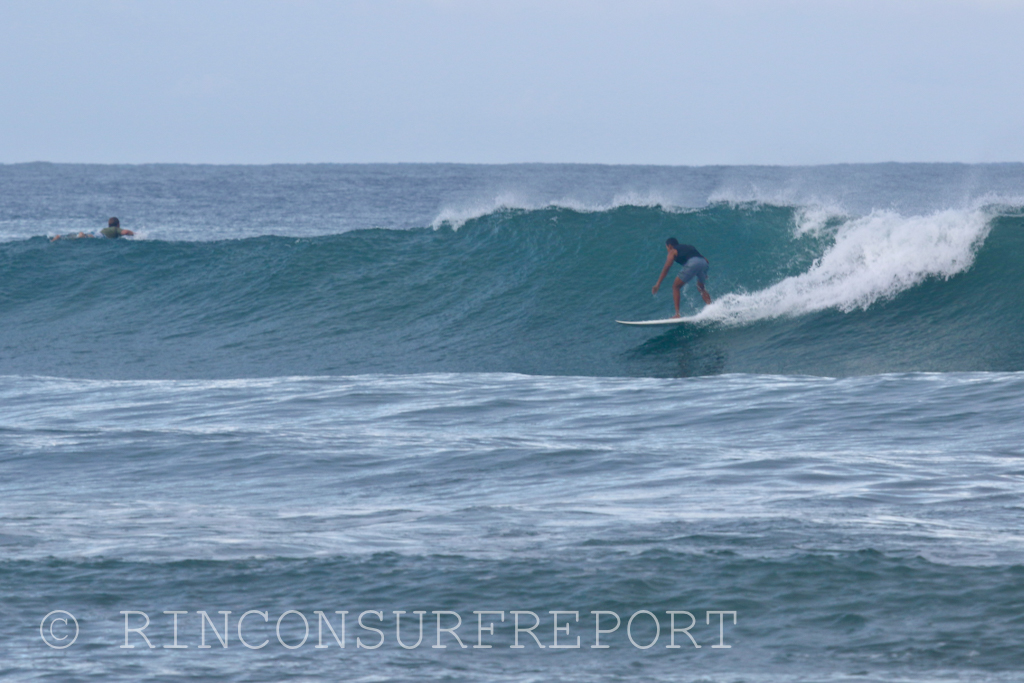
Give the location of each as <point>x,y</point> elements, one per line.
<point>533,291</point>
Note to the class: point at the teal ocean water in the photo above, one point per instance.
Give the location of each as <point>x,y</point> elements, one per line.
<point>303,391</point>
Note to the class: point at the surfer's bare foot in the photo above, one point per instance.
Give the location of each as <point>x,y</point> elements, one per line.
<point>677,315</point>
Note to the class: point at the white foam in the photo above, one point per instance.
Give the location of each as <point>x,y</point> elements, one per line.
<point>812,215</point>
<point>508,201</point>
<point>816,220</point>
<point>873,258</point>
<point>778,196</point>
<point>457,217</point>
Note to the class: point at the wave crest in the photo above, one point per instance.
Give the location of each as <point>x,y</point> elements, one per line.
<point>872,258</point>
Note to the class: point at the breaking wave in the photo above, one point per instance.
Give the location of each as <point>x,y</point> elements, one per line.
<point>798,290</point>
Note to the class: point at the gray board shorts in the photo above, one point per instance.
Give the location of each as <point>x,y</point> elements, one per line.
<point>694,267</point>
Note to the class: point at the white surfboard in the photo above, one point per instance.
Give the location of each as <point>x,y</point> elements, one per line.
<point>664,321</point>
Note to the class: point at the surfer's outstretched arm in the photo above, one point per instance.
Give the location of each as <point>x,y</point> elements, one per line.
<point>664,270</point>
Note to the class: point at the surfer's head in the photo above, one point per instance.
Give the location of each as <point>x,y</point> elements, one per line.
<point>672,242</point>
<point>113,223</point>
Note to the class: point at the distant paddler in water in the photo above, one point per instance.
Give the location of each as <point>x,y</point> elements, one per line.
<point>694,266</point>
<point>112,231</point>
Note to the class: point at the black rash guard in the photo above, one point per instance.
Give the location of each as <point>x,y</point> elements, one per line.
<point>685,252</point>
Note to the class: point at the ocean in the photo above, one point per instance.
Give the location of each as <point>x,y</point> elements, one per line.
<point>377,422</point>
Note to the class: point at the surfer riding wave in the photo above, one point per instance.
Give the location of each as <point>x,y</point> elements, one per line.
<point>694,266</point>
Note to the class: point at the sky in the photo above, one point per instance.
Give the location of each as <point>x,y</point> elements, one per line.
<point>507,81</point>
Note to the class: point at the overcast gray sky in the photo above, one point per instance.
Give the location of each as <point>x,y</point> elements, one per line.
<point>492,81</point>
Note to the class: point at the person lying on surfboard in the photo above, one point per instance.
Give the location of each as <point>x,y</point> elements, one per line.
<point>113,231</point>
<point>694,266</point>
